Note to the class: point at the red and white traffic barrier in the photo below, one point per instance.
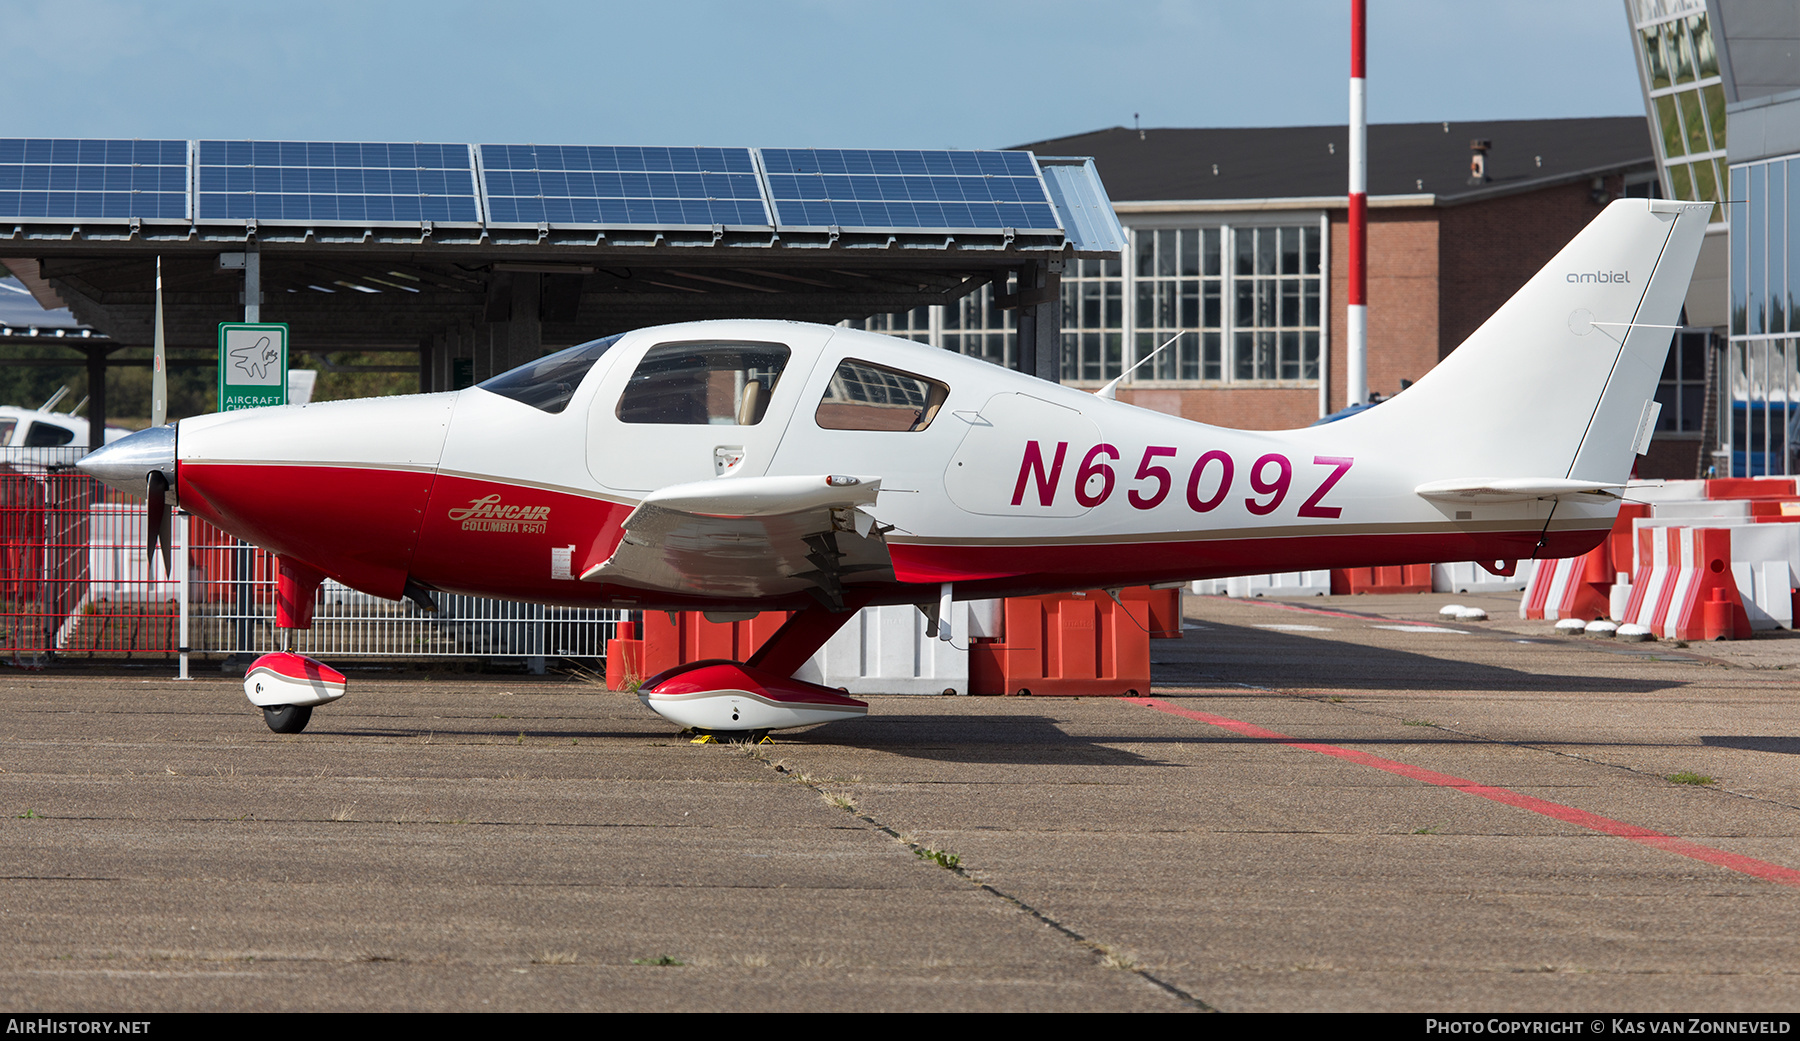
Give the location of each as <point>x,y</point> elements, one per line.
<point>1684,588</point>
<point>1572,587</point>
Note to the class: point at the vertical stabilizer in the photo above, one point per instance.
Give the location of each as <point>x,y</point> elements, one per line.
<point>1626,414</point>
<point>1556,384</point>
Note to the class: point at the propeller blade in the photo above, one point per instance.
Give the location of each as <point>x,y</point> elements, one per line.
<point>159,369</point>
<point>160,523</point>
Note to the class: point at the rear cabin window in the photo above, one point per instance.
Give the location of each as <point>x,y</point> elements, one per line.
<point>694,384</point>
<point>866,396</point>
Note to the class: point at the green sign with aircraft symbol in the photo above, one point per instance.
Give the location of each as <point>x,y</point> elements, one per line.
<point>253,365</point>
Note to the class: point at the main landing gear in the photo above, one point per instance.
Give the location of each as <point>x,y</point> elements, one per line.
<point>737,701</point>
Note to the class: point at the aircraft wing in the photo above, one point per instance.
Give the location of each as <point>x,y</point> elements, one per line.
<point>751,537</point>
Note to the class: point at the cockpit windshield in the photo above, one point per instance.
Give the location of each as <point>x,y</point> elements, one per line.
<point>550,382</point>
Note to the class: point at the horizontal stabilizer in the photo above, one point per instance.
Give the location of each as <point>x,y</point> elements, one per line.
<point>1516,489</point>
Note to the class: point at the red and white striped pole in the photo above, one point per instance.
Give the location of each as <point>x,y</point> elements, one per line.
<point>1356,360</point>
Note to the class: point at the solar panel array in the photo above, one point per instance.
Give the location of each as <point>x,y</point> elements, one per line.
<point>580,186</point>
<point>907,190</point>
<point>65,179</point>
<point>603,186</point>
<point>327,182</point>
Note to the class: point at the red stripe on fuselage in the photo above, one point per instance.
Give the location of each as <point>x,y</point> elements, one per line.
<point>1094,564</point>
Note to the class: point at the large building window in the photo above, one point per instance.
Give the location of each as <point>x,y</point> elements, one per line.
<point>1275,323</point>
<point>1765,248</point>
<point>975,327</point>
<point>1680,65</point>
<point>1179,280</point>
<point>1760,401</point>
<point>1682,389</point>
<point>1244,304</point>
<point>1093,321</point>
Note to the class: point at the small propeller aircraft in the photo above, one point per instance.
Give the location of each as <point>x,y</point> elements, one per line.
<point>742,466</point>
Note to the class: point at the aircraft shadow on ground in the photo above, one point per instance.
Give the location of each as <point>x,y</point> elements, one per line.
<point>1750,743</point>
<point>1040,741</point>
<point>1009,740</point>
<point>1227,654</point>
<point>537,733</point>
<point>998,739</point>
<point>992,739</point>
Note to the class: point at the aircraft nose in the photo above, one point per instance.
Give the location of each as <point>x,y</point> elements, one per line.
<point>127,463</point>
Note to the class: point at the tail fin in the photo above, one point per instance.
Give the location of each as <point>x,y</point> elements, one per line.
<point>1560,382</point>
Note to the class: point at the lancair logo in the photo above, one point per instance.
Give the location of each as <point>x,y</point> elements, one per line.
<point>1599,276</point>
<point>489,514</point>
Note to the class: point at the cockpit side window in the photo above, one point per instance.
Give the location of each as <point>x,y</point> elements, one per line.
<point>6,431</point>
<point>866,396</point>
<point>693,384</point>
<point>47,435</point>
<point>549,383</point>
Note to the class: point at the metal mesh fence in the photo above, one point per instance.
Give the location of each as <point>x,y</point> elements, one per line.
<point>76,581</point>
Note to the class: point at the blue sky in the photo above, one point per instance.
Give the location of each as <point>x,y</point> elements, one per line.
<point>918,74</point>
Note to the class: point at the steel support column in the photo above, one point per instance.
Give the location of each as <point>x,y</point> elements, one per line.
<point>96,407</point>
<point>1039,301</point>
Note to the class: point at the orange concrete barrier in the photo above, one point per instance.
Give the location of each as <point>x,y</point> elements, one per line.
<point>666,641</point>
<point>1404,578</point>
<point>1070,644</point>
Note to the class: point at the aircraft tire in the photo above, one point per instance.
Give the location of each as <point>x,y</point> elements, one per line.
<point>287,719</point>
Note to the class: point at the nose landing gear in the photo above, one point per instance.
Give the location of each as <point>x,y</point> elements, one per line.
<point>286,686</point>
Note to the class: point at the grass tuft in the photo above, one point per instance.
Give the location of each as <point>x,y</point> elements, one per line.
<point>948,861</point>
<point>1118,958</point>
<point>1689,777</point>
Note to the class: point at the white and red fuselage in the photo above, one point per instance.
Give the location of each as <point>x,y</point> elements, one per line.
<point>1017,486</point>
<point>1005,484</point>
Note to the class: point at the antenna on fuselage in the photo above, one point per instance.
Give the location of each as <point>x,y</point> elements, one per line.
<point>1111,391</point>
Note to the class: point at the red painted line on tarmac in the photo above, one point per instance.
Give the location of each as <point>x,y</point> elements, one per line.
<point>1568,814</point>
